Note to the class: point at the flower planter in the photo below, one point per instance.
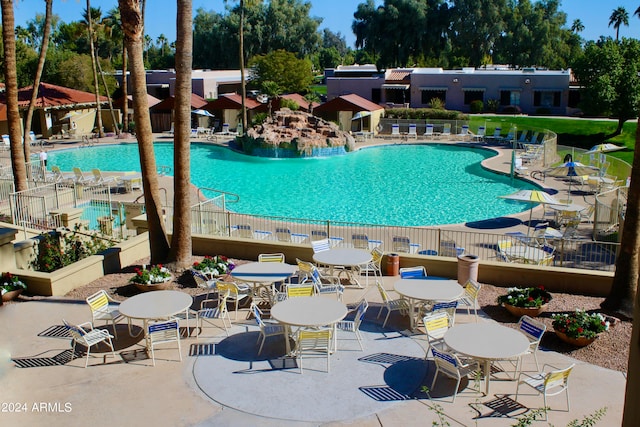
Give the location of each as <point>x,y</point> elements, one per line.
<point>578,342</point>
<point>161,286</point>
<point>528,311</point>
<point>11,295</point>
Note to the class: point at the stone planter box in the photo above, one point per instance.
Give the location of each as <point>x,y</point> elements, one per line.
<point>578,342</point>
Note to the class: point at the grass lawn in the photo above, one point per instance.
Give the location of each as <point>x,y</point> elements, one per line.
<point>574,132</point>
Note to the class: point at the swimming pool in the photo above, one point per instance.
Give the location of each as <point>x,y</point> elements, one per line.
<point>405,185</point>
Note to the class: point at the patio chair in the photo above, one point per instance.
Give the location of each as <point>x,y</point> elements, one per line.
<point>464,133</point>
<point>533,330</point>
<point>412,133</point>
<point>102,309</point>
<point>163,332</point>
<point>236,292</point>
<point>323,284</point>
<point>479,137</point>
<point>98,179</point>
<point>449,307</point>
<point>446,131</point>
<point>321,234</point>
<point>523,138</point>
<point>374,266</point>
<point>320,245</point>
<point>305,290</point>
<point>285,235</point>
<point>395,129</point>
<point>362,241</point>
<point>204,282</point>
<point>277,257</point>
<point>418,272</point>
<point>436,324</point>
<point>450,365</point>
<point>354,325</point>
<point>57,176</point>
<point>470,296</point>
<point>33,139</point>
<point>508,138</point>
<point>85,335</point>
<point>403,244</point>
<point>400,305</point>
<point>501,246</point>
<point>314,341</point>
<point>449,248</point>
<point>428,132</point>
<point>266,329</point>
<point>209,313</point>
<point>550,254</point>
<point>496,135</point>
<point>245,230</point>
<point>6,141</point>
<point>548,383</point>
<point>80,178</point>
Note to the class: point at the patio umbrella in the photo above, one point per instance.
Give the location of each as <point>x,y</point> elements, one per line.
<point>202,113</point>
<point>570,169</point>
<point>532,197</point>
<point>605,148</point>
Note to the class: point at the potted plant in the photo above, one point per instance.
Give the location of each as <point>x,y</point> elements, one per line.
<point>531,301</point>
<point>10,286</point>
<point>579,328</point>
<point>155,278</point>
<point>214,266</point>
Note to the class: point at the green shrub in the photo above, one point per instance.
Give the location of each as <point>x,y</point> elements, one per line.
<point>492,105</point>
<point>289,103</point>
<point>477,106</point>
<point>437,103</point>
<point>424,114</point>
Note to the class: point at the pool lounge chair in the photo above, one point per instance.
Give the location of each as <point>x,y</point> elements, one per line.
<point>464,133</point>
<point>395,130</point>
<point>244,230</point>
<point>496,135</point>
<point>446,131</point>
<point>80,178</point>
<point>429,131</point>
<point>479,137</point>
<point>285,235</point>
<point>412,131</point>
<point>98,179</point>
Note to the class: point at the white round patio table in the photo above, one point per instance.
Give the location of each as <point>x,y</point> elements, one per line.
<point>155,305</point>
<point>308,312</point>
<point>427,290</point>
<point>486,342</point>
<point>571,207</point>
<point>261,273</point>
<point>528,254</point>
<point>347,257</point>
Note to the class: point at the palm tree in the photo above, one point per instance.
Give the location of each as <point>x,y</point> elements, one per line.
<point>89,15</point>
<point>243,84</point>
<point>577,26</point>
<point>619,17</point>
<point>11,87</point>
<point>180,253</point>
<point>36,80</point>
<point>162,42</point>
<point>114,23</point>
<point>133,28</point>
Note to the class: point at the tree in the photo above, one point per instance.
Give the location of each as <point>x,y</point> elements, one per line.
<point>89,16</point>
<point>11,86</point>
<point>133,28</point>
<point>114,24</point>
<point>577,26</point>
<point>619,17</point>
<point>272,90</point>
<point>608,72</point>
<point>38,76</point>
<point>181,245</point>
<point>289,73</point>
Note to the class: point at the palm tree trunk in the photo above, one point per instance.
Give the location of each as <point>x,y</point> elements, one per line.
<point>181,240</point>
<point>36,80</point>
<point>95,70</point>
<point>243,84</point>
<point>132,26</point>
<point>125,93</point>
<point>106,89</point>
<point>11,86</point>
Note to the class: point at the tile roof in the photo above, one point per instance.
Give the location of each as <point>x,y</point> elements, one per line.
<point>351,102</point>
<point>167,104</point>
<point>50,96</point>
<point>233,101</point>
<point>398,76</point>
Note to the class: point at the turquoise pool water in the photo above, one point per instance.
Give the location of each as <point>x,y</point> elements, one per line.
<point>407,185</point>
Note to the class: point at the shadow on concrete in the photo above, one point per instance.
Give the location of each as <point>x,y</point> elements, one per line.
<point>494,223</point>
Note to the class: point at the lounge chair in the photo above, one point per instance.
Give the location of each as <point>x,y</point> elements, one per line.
<point>508,138</point>
<point>464,133</point>
<point>57,176</point>
<point>412,132</point>
<point>479,137</point>
<point>98,179</point>
<point>80,178</point>
<point>403,244</point>
<point>446,131</point>
<point>362,241</point>
<point>496,135</point>
<point>429,131</point>
<point>33,140</point>
<point>6,141</point>
<point>285,235</point>
<point>244,230</point>
<point>395,130</point>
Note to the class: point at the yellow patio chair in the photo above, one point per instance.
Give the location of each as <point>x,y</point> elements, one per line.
<point>309,341</point>
<point>548,383</point>
<point>233,292</point>
<point>436,324</point>
<point>305,290</point>
<point>102,308</point>
<point>279,257</point>
<point>470,296</point>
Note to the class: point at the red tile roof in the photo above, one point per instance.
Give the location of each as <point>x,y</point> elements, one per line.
<point>119,103</point>
<point>398,76</point>
<point>54,96</point>
<point>299,99</point>
<point>351,102</point>
<point>167,104</point>
<point>233,101</point>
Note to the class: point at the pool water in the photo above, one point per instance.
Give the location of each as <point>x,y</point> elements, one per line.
<point>405,185</point>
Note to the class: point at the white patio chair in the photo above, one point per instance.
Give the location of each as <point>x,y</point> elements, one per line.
<point>449,248</point>
<point>204,282</point>
<point>395,129</point>
<point>162,332</point>
<point>266,329</point>
<point>209,313</point>
<point>547,383</point>
<point>354,325</point>
<point>245,230</point>
<point>323,284</point>
<point>285,235</point>
<point>413,131</point>
<point>314,341</point>
<point>428,132</point>
<point>450,365</point>
<point>533,330</point>
<point>88,337</point>
<point>464,133</point>
<point>321,234</point>
<point>362,241</point>
<point>102,309</point>
<point>470,296</point>
<point>436,324</point>
<point>479,137</point>
<point>400,305</point>
<point>446,131</point>
<point>403,244</point>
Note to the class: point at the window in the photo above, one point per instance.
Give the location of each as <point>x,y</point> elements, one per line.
<point>549,98</point>
<point>428,95</point>
<point>473,95</point>
<point>376,95</point>
<point>509,97</point>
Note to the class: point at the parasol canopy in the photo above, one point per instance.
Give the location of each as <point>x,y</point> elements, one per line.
<point>533,197</point>
<point>202,113</point>
<point>604,148</point>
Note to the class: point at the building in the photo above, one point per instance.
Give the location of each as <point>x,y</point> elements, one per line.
<point>527,90</point>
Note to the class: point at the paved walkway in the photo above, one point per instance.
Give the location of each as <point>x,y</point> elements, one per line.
<point>222,381</point>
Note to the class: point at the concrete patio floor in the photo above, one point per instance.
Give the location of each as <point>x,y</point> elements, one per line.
<point>222,381</point>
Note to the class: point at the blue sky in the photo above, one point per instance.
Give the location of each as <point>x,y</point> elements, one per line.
<point>337,15</point>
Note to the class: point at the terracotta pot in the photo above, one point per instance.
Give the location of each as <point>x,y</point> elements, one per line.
<point>11,295</point>
<point>154,286</point>
<point>529,311</point>
<point>578,342</point>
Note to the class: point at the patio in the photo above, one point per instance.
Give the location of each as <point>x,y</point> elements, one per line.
<point>222,381</point>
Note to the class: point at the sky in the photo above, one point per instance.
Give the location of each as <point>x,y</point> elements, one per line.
<point>337,15</point>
